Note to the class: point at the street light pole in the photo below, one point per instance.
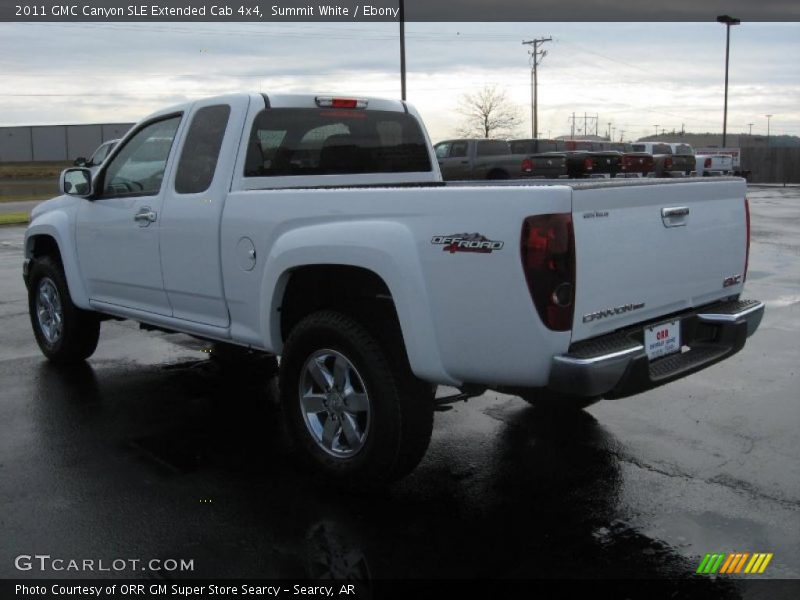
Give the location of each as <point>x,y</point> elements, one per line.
<point>727,21</point>
<point>402,16</point>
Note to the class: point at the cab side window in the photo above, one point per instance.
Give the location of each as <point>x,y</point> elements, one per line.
<point>442,149</point>
<point>138,168</point>
<point>201,149</point>
<point>458,150</point>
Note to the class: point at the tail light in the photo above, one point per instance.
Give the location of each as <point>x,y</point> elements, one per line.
<point>587,164</point>
<point>747,227</point>
<point>527,165</point>
<point>667,163</point>
<point>548,259</point>
<point>707,163</point>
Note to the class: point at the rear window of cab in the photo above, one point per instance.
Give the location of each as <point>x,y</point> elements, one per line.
<point>307,141</point>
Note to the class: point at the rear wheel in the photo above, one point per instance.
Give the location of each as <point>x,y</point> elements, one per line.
<point>354,410</point>
<point>64,332</point>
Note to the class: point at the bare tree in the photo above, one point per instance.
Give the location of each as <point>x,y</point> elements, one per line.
<point>488,113</point>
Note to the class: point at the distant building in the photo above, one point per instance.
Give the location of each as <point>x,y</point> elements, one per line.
<point>56,143</point>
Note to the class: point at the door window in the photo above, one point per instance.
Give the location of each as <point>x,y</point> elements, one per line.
<point>138,169</point>
<point>201,149</point>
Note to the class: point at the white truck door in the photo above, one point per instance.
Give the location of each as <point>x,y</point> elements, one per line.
<point>117,232</point>
<point>194,199</point>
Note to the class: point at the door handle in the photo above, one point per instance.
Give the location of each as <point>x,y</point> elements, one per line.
<point>675,216</point>
<point>145,216</point>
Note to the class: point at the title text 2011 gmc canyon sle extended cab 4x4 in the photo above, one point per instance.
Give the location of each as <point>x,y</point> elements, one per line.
<point>318,229</point>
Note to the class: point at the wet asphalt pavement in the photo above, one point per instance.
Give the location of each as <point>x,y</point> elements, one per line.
<point>153,451</point>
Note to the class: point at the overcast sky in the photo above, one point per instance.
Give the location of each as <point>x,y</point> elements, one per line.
<point>634,75</point>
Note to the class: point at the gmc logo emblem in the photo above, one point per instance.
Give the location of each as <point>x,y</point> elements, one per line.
<point>732,280</point>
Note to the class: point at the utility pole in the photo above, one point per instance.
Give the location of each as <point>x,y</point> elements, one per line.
<point>656,126</point>
<point>536,58</point>
<point>609,132</point>
<point>621,134</point>
<point>768,118</point>
<point>572,135</point>
<point>750,125</point>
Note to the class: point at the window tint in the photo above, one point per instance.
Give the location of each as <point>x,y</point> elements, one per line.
<point>303,141</point>
<point>441,149</point>
<point>138,169</point>
<point>201,149</point>
<point>683,149</point>
<point>493,148</point>
<point>458,149</point>
<point>639,148</point>
<point>662,149</point>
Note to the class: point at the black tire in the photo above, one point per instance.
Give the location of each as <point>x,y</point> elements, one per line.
<point>497,174</point>
<point>557,404</point>
<point>400,406</point>
<point>76,340</point>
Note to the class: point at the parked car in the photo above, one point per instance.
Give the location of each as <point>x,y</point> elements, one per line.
<point>632,164</point>
<point>535,146</point>
<point>318,228</point>
<point>685,152</point>
<point>736,158</point>
<point>605,163</point>
<point>476,159</point>
<point>555,165</point>
<point>713,164</point>
<point>98,156</point>
<point>665,162</point>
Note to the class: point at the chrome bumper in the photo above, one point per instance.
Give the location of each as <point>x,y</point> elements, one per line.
<point>616,365</point>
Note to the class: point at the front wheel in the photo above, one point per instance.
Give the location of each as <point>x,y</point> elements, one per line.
<point>354,410</point>
<point>64,332</point>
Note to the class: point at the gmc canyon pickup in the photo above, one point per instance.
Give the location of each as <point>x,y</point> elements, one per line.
<point>318,229</point>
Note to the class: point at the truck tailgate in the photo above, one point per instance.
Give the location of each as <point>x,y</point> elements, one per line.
<point>635,262</point>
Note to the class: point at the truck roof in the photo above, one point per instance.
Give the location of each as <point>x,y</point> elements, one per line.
<point>292,100</point>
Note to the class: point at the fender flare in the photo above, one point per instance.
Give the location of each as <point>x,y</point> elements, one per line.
<point>388,249</point>
<point>56,225</point>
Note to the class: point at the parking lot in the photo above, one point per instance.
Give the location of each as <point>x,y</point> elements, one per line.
<point>153,451</point>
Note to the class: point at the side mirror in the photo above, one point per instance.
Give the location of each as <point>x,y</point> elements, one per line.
<point>76,182</point>
<point>80,161</point>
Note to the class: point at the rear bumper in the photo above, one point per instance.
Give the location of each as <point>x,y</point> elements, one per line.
<point>616,365</point>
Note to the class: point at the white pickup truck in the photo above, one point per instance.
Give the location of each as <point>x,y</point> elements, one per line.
<point>713,164</point>
<point>318,229</point>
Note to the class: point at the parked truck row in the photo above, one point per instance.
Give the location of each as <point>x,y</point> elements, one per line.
<point>465,159</point>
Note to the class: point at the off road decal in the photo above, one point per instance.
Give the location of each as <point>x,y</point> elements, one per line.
<point>466,242</point>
